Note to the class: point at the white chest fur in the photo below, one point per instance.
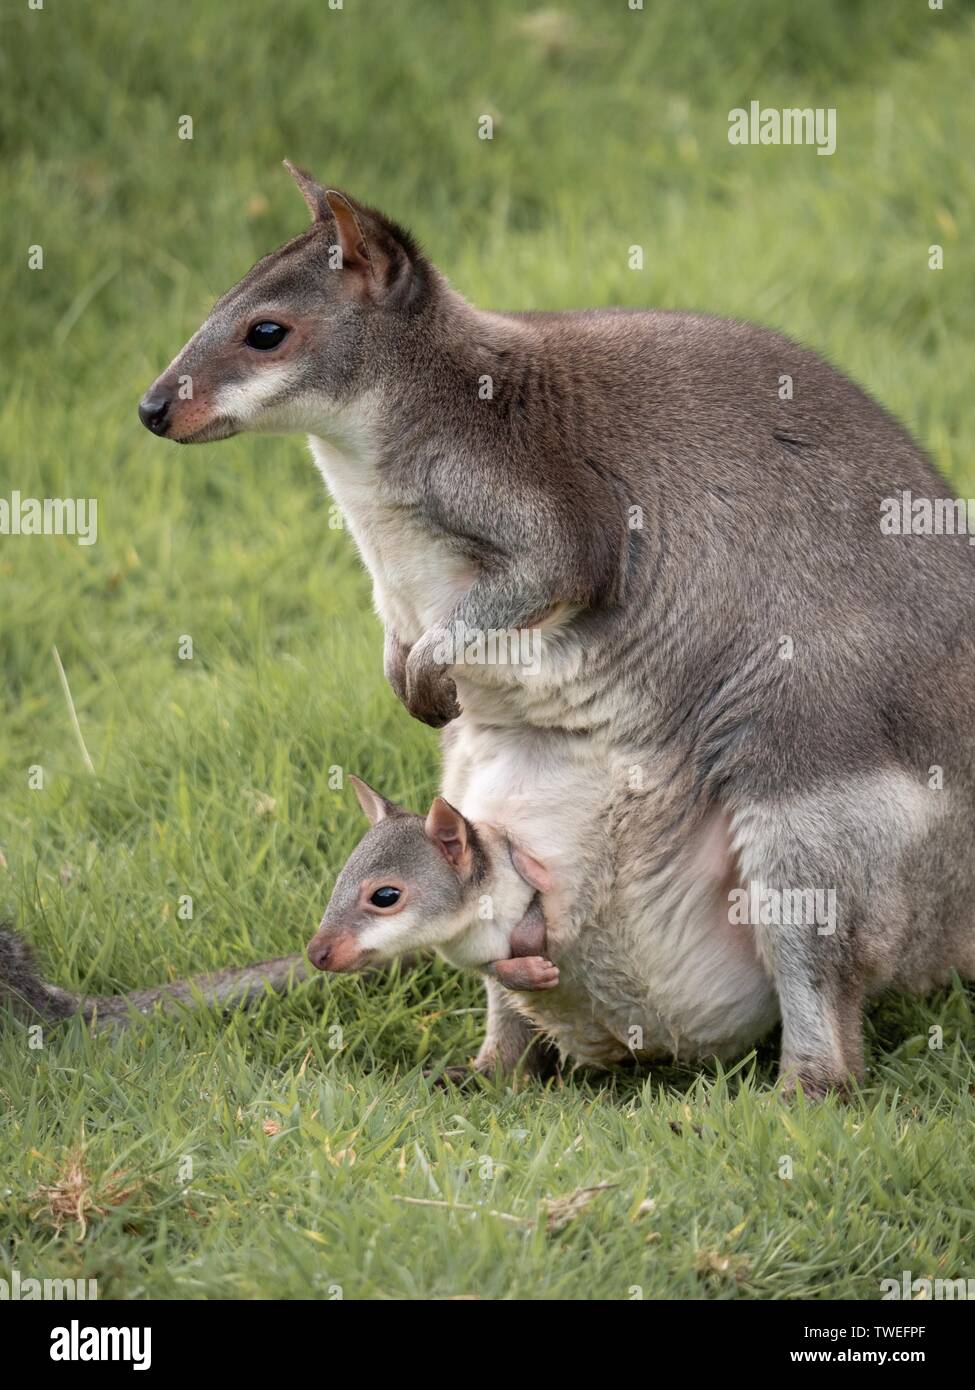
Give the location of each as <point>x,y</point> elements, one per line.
<point>510,677</point>
<point>416,579</point>
<point>546,790</point>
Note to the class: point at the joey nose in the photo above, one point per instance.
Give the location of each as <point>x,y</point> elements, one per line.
<point>318,954</point>
<point>154,410</point>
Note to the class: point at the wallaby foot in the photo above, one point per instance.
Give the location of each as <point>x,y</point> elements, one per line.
<point>539,1062</point>
<point>822,1020</point>
<point>454,1076</point>
<point>836,1064</point>
<point>835,883</point>
<point>528,967</point>
<point>815,1082</point>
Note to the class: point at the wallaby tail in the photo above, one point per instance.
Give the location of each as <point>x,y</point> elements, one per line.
<point>23,989</point>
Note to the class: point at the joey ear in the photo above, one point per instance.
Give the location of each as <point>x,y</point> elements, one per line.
<point>449,831</point>
<point>373,803</point>
<point>312,192</point>
<point>531,870</point>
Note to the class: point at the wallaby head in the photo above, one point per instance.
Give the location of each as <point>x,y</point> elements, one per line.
<point>415,881</point>
<point>302,333</point>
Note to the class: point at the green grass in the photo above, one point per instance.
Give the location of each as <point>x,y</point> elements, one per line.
<point>610,130</point>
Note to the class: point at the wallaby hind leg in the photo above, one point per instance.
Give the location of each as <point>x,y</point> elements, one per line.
<point>835,914</point>
<point>510,1045</point>
<point>511,1042</point>
<point>822,1015</point>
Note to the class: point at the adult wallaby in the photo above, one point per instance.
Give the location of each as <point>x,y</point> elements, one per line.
<point>742,681</point>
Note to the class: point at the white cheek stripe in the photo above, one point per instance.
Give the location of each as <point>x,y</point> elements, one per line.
<point>410,930</point>
<point>244,399</point>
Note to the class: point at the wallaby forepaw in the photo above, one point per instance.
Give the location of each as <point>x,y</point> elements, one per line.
<point>527,973</point>
<point>434,705</point>
<point>431,696</point>
<point>395,655</point>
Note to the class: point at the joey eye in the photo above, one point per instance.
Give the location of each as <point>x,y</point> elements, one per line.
<point>385,897</point>
<point>266,335</point>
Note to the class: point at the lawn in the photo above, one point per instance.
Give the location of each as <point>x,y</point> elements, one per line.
<point>298,1150</point>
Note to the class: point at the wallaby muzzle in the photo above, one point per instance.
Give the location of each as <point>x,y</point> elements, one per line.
<point>154,409</point>
<point>337,949</point>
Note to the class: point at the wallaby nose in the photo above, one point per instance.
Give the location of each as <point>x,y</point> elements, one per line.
<point>318,955</point>
<point>154,409</point>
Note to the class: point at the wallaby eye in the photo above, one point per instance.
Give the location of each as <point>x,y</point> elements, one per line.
<point>265,335</point>
<point>385,897</point>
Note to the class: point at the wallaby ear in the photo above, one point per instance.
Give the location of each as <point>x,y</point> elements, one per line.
<point>531,870</point>
<point>373,803</point>
<point>352,237</point>
<point>375,250</point>
<point>312,192</point>
<point>449,831</point>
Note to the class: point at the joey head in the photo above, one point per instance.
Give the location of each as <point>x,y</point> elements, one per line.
<point>437,881</point>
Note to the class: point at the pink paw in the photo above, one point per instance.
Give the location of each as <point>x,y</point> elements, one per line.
<point>527,972</point>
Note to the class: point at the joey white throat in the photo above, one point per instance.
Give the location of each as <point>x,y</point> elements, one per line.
<point>436,881</point>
